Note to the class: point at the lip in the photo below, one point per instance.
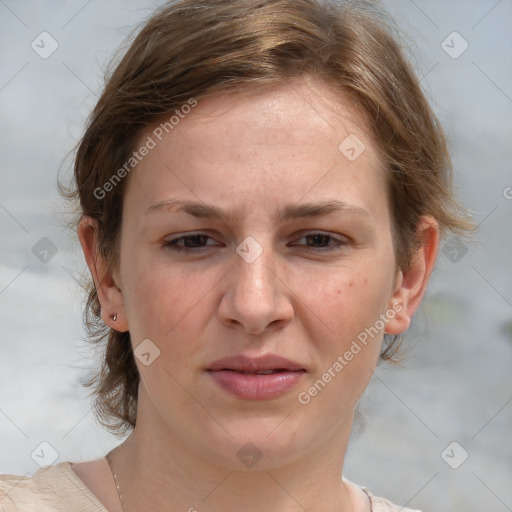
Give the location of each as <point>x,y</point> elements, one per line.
<point>242,363</point>
<point>228,374</point>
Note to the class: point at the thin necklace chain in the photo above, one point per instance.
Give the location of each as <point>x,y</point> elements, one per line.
<point>109,460</point>
<point>118,488</point>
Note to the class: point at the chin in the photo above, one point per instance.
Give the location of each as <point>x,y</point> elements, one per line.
<point>258,444</point>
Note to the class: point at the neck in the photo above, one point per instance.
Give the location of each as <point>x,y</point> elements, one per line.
<point>155,469</point>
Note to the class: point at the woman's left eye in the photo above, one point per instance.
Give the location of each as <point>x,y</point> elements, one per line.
<point>323,241</point>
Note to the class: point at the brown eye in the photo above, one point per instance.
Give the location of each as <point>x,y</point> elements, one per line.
<point>318,240</point>
<point>322,242</point>
<point>189,242</point>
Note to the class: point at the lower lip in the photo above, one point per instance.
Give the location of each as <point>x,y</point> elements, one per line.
<point>256,386</point>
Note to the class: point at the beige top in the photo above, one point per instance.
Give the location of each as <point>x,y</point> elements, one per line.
<point>58,489</point>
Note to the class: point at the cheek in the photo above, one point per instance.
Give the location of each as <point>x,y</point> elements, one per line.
<point>148,294</point>
<point>165,304</point>
<point>346,329</point>
<point>346,300</point>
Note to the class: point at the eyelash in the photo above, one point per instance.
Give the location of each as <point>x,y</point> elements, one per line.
<point>173,244</point>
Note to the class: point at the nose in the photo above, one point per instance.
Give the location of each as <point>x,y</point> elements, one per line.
<point>255,297</point>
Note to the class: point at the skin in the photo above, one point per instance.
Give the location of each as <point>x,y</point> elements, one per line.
<point>252,155</point>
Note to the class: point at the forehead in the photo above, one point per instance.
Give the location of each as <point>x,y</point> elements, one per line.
<point>299,140</point>
<point>300,111</point>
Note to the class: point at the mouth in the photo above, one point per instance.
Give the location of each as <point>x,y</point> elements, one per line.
<point>259,378</point>
<point>262,365</point>
<point>257,372</point>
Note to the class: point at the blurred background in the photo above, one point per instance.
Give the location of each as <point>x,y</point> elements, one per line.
<point>437,432</point>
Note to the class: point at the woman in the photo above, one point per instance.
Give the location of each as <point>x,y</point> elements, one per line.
<point>263,188</point>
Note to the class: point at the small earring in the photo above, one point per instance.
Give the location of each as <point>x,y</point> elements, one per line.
<point>114,317</point>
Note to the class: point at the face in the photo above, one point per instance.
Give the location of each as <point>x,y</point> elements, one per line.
<point>249,231</point>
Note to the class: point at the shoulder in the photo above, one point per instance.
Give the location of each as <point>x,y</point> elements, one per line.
<point>383,505</point>
<point>50,489</point>
<point>361,495</point>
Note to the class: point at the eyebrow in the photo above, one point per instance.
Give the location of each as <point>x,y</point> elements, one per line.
<point>290,212</point>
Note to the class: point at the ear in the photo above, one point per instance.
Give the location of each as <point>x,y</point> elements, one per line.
<point>411,283</point>
<point>109,293</point>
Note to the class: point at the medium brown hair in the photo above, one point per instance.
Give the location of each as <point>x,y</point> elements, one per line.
<point>198,48</point>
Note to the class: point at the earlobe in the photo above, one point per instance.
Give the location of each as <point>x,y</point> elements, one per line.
<point>109,293</point>
<point>412,282</point>
<point>400,320</point>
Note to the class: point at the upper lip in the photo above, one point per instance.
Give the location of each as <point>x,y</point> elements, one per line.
<point>244,363</point>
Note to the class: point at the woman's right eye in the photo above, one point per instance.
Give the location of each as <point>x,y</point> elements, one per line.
<point>189,242</point>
